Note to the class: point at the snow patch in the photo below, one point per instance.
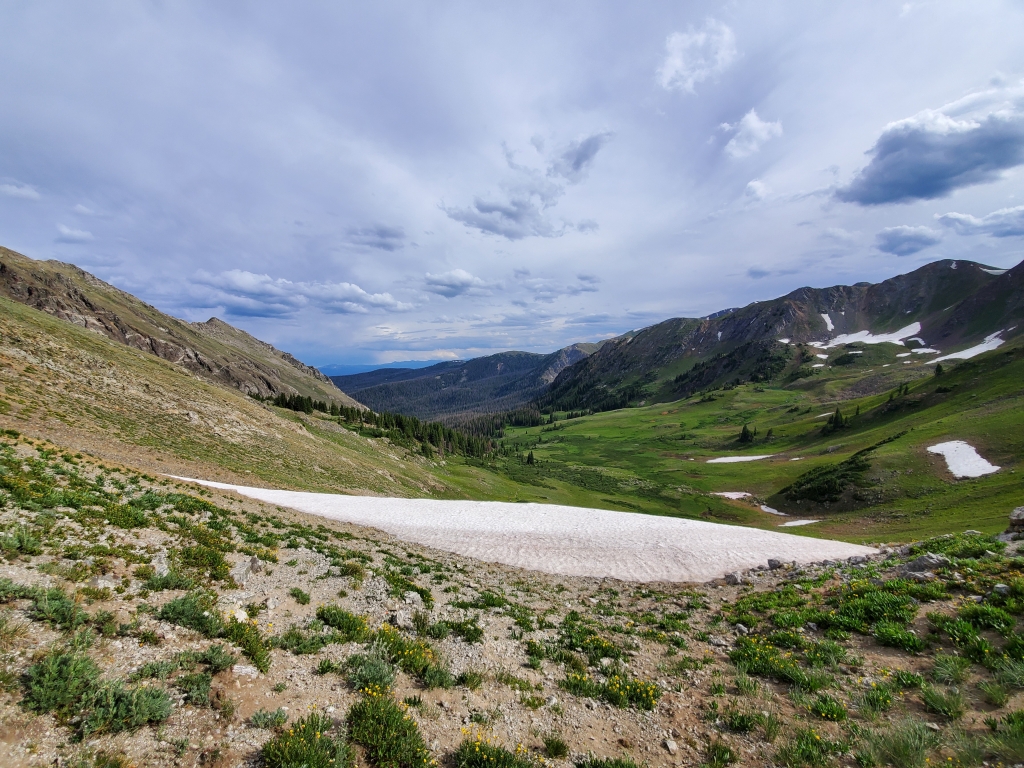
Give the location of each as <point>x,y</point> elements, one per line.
<point>926,351</point>
<point>784,341</point>
<point>571,541</point>
<point>823,415</point>
<point>822,357</point>
<point>792,523</point>
<point>770,511</point>
<point>828,322</point>
<point>962,459</point>
<point>818,365</point>
<point>996,272</point>
<point>734,495</point>
<point>992,341</point>
<point>904,354</point>
<point>866,337</point>
<point>735,459</point>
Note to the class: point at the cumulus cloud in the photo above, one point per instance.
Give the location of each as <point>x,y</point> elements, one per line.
<point>936,152</point>
<point>519,210</point>
<point>69,235</point>
<point>453,283</point>
<point>693,56</point>
<point>904,241</point>
<point>548,290</point>
<point>1006,222</point>
<point>378,236</point>
<point>249,294</point>
<point>586,225</point>
<point>751,132</point>
<point>23,191</point>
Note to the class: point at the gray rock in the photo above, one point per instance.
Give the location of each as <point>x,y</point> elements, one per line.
<point>718,642</point>
<point>857,560</point>
<point>671,746</point>
<point>925,563</point>
<point>255,565</point>
<point>742,629</point>
<point>413,599</point>
<point>101,582</point>
<point>734,578</point>
<point>245,670</point>
<point>774,564</point>
<point>1001,589</point>
<point>160,566</point>
<point>402,619</point>
<point>921,576</point>
<point>1017,520</point>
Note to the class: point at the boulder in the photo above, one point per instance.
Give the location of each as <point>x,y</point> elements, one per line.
<point>734,578</point>
<point>403,619</point>
<point>925,563</point>
<point>413,598</point>
<point>774,564</point>
<point>1016,521</point>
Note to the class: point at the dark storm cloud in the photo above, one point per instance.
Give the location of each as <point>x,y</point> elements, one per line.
<point>905,241</point>
<point>1008,222</point>
<point>932,155</point>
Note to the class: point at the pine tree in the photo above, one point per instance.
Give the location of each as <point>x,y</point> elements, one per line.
<point>746,436</point>
<point>529,459</point>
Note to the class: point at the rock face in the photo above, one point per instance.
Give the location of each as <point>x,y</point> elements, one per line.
<point>922,568</point>
<point>213,350</point>
<point>1016,521</point>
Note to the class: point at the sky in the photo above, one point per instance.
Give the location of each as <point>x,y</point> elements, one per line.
<point>368,183</point>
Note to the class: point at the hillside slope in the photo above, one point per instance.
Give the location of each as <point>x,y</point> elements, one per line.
<point>945,305</point>
<point>213,350</point>
<point>456,390</point>
<point>89,393</point>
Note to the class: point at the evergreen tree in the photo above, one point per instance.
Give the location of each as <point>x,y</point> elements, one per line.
<point>746,436</point>
<point>529,459</point>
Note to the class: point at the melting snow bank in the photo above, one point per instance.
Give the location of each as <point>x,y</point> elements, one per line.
<point>991,342</point>
<point>962,459</point>
<point>866,337</point>
<point>734,459</point>
<point>570,541</point>
<point>793,523</point>
<point>734,495</point>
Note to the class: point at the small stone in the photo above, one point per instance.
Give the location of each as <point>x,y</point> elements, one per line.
<point>1001,589</point>
<point>857,560</point>
<point>733,578</point>
<point>977,598</point>
<point>742,629</point>
<point>255,564</point>
<point>671,746</point>
<point>933,726</point>
<point>1017,520</point>
<point>403,619</point>
<point>245,670</point>
<point>718,642</point>
<point>774,564</point>
<point>551,701</point>
<point>413,598</point>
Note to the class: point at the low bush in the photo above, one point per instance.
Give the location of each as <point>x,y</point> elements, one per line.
<point>247,636</point>
<point>170,580</point>
<point>114,708</point>
<point>308,743</point>
<point>895,635</point>
<point>371,671</point>
<point>349,626</point>
<point>878,698</point>
<point>217,659</point>
<point>197,611</point>
<point>478,751</point>
<point>606,762</point>
<point>196,688</point>
<point>387,732</point>
<point>302,598</point>
<point>984,616</point>
<point>58,683</point>
<point>269,720</point>
<point>619,690</point>
<point>829,708</point>
<point>809,748</point>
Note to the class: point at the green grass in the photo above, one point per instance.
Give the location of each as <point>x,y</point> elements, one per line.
<point>270,720</point>
<point>387,732</point>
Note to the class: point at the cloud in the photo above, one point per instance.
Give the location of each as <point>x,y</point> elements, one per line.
<point>246,293</point>
<point>751,133</point>
<point>756,189</point>
<point>586,225</point>
<point>936,152</point>
<point>573,163</point>
<point>519,210</point>
<point>1006,222</point>
<point>378,236</point>
<point>695,55</point>
<point>757,273</point>
<point>548,290</point>
<point>904,241</point>
<point>22,191</point>
<point>453,283</point>
<point>68,235</point>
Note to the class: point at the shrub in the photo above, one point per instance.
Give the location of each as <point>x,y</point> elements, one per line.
<point>606,762</point>
<point>216,658</point>
<point>246,635</point>
<point>196,610</point>
<point>348,625</point>
<point>950,669</point>
<point>995,693</point>
<point>829,708</point>
<point>302,598</point>
<point>719,754</point>
<point>738,721</point>
<point>387,732</point>
<point>170,580</point>
<point>308,743</point>
<point>114,708</point>
<point>949,703</point>
<point>196,688</point>
<point>471,678</point>
<point>436,676</point>
<point>555,746</point>
<point>618,690</point>
<point>55,607</point>
<point>371,671</point>
<point>960,545</point>
<point>895,635</point>
<point>877,699</point>
<point>808,747</point>
<point>270,720</point>
<point>827,653</point>
<point>1010,672</point>
<point>905,679</point>
<point>904,745</point>
<point>983,616</point>
<point>58,683</point>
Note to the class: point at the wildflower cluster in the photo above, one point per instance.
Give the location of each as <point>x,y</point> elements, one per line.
<point>477,750</point>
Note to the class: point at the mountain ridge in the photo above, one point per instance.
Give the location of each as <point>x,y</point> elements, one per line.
<point>213,350</point>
